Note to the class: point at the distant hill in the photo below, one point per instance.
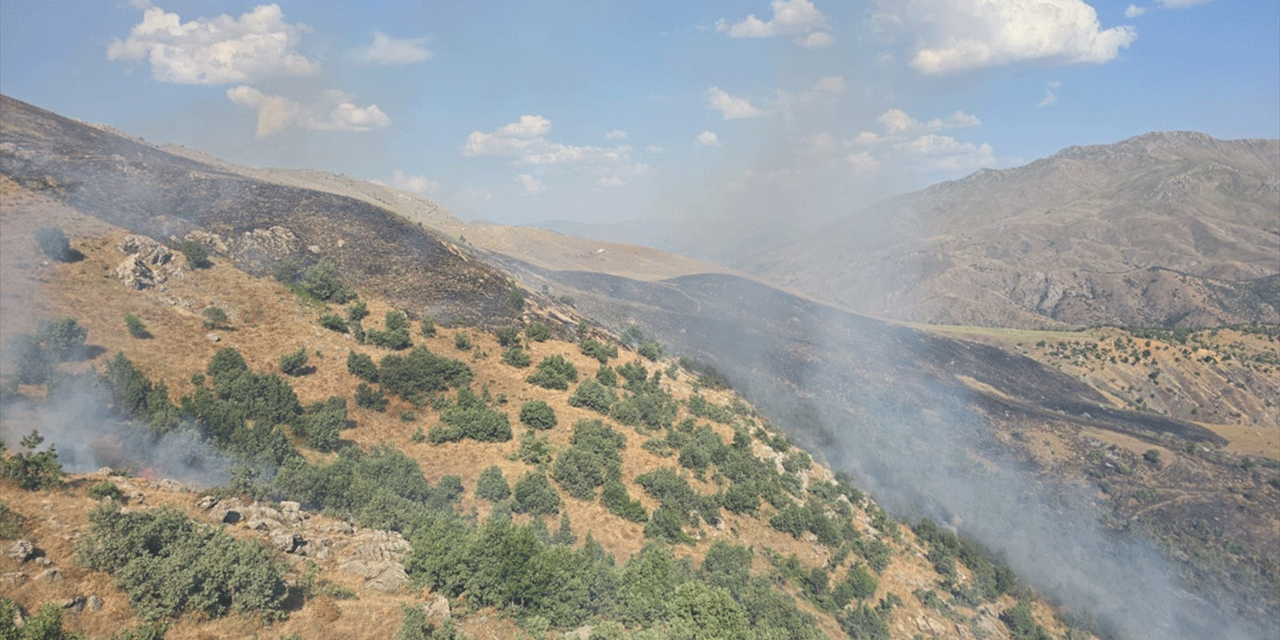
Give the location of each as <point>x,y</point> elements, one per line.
<point>1172,229</point>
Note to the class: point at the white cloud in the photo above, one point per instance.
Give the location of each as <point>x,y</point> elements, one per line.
<point>526,140</point>
<point>418,184</point>
<point>790,18</point>
<point>815,40</point>
<point>1134,11</point>
<point>616,134</point>
<point>653,148</point>
<point>390,51</point>
<point>530,183</point>
<point>219,50</point>
<point>334,112</point>
<point>730,107</point>
<point>898,124</point>
<point>611,181</point>
<point>963,35</point>
<point>944,153</point>
<point>862,162</point>
<point>817,143</point>
<point>1050,94</point>
<point>708,139</point>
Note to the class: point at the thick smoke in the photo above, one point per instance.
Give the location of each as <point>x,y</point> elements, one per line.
<point>77,421</point>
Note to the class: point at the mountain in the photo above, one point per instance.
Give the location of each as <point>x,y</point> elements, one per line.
<point>1171,229</point>
<point>1042,454</point>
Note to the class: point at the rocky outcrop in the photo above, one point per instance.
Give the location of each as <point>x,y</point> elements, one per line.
<point>142,269</point>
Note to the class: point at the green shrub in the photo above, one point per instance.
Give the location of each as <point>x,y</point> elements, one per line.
<point>357,311</point>
<point>46,624</point>
<point>461,341</point>
<point>215,317</point>
<point>105,489</point>
<point>533,450</point>
<point>295,363</point>
<point>32,470</point>
<point>515,298</point>
<point>62,338</point>
<point>334,322</point>
<point>797,461</point>
<point>136,327</point>
<point>492,486</point>
<point>507,337</point>
<point>361,366</point>
<point>197,254</point>
<point>516,357</point>
<point>534,495</point>
<point>554,372</point>
<point>321,280</point>
<point>650,351</point>
<point>54,243</point>
<point>537,332</point>
<point>427,327</point>
<point>606,376</point>
<point>594,396</point>
<point>1022,624</point>
<point>322,423</point>
<point>421,373</point>
<point>538,415</point>
<point>370,398</point>
<point>471,418</point>
<point>598,350</point>
<point>615,498</point>
<point>170,565</point>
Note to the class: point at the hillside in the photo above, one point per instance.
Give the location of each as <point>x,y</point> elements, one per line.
<point>1022,445</point>
<point>1166,229</point>
<point>354,591</point>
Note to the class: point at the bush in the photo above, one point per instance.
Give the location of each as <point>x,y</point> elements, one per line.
<point>361,366</point>
<point>197,254</point>
<point>136,327</point>
<point>32,470</point>
<point>322,423</point>
<point>594,396</point>
<point>427,328</point>
<point>170,565</point>
<point>333,322</point>
<point>105,489</point>
<point>421,373</point>
<point>215,317</point>
<point>370,398</point>
<point>537,332</point>
<point>62,339</point>
<point>357,311</point>
<point>295,363</point>
<point>471,418</point>
<point>54,243</point>
<point>650,351</point>
<point>554,372</point>
<point>516,357</point>
<point>507,337</point>
<point>322,282</point>
<point>537,414</point>
<point>492,486</point>
<point>598,350</point>
<point>615,498</point>
<point>534,495</point>
<point>515,298</point>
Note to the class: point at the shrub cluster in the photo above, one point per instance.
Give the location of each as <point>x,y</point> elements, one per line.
<point>470,417</point>
<point>554,372</point>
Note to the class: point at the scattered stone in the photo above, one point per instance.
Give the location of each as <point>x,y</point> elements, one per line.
<point>438,609</point>
<point>286,541</point>
<point>172,486</point>
<point>49,575</point>
<point>12,579</point>
<point>42,561</point>
<point>212,337</point>
<point>94,603</point>
<point>75,604</point>
<point>21,550</point>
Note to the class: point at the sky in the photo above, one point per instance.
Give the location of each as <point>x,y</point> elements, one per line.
<point>606,111</point>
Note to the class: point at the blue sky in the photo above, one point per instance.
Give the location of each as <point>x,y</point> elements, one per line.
<point>605,111</point>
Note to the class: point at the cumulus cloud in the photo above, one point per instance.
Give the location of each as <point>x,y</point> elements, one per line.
<point>954,36</point>
<point>653,148</point>
<point>708,139</point>
<point>944,153</point>
<point>394,51</point>
<point>898,124</point>
<point>1050,94</point>
<point>730,107</point>
<point>799,18</point>
<point>219,50</point>
<point>1134,11</point>
<point>334,112</point>
<point>530,183</point>
<point>525,139</point>
<point>418,184</point>
<point>616,134</point>
<point>862,162</point>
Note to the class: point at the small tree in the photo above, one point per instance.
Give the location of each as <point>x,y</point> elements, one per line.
<point>54,244</point>
<point>215,317</point>
<point>537,332</point>
<point>535,495</point>
<point>370,398</point>
<point>357,311</point>
<point>428,327</point>
<point>32,470</point>
<point>537,414</point>
<point>516,357</point>
<point>321,280</point>
<point>461,341</point>
<point>334,322</point>
<point>136,327</point>
<point>294,363</point>
<point>492,486</point>
<point>361,366</point>
<point>197,254</point>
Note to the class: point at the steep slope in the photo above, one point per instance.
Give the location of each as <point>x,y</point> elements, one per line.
<point>1173,229</point>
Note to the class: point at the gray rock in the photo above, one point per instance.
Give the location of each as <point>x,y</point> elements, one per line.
<point>11,580</point>
<point>438,609</point>
<point>49,575</point>
<point>94,603</point>
<point>21,550</point>
<point>75,604</point>
<point>286,541</point>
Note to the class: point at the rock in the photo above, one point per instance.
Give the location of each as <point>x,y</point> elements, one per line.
<point>74,604</point>
<point>11,580</point>
<point>380,575</point>
<point>21,550</point>
<point>135,274</point>
<point>19,620</point>
<point>212,337</point>
<point>263,524</point>
<point>209,240</point>
<point>438,609</point>
<point>41,561</point>
<point>49,575</point>
<point>286,541</point>
<point>207,502</point>
<point>172,486</point>
<point>146,250</point>
<point>94,603</point>
<point>581,633</point>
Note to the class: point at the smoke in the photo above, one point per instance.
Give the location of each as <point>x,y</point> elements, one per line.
<point>77,421</point>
